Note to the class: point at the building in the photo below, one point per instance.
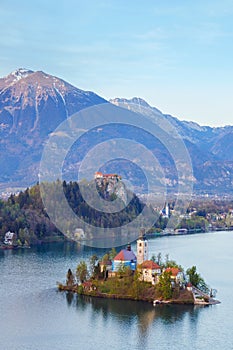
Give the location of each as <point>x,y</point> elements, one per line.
<point>165,212</point>
<point>126,258</point>
<point>99,175</point>
<point>150,271</point>
<point>189,287</point>
<point>142,249</point>
<point>88,286</point>
<point>10,238</point>
<point>105,265</point>
<point>177,276</point>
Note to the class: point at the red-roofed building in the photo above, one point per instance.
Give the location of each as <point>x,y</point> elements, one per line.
<point>174,271</point>
<point>149,264</point>
<point>149,271</point>
<point>189,287</point>
<point>88,286</point>
<point>176,275</point>
<point>98,175</point>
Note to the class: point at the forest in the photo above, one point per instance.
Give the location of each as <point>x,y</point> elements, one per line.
<point>25,215</point>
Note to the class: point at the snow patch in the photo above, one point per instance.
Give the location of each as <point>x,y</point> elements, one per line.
<point>21,73</point>
<point>37,115</point>
<point>63,100</point>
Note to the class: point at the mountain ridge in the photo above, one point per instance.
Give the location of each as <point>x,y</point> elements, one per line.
<point>34,103</point>
<point>189,130</point>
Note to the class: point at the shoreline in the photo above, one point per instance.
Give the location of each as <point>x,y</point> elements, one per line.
<point>96,294</point>
<point>74,289</point>
<point>149,235</point>
<point>172,233</point>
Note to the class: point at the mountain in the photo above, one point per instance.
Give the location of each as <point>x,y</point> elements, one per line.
<point>210,149</point>
<point>205,137</point>
<point>36,102</point>
<point>33,104</point>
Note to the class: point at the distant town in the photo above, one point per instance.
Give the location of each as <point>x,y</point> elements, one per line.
<point>25,223</point>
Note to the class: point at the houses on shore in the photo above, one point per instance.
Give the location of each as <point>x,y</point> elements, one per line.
<point>10,239</point>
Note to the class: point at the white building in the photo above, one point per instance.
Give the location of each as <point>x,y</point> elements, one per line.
<point>142,249</point>
<point>150,271</point>
<point>9,238</point>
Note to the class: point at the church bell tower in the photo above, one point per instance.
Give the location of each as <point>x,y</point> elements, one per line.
<point>142,248</point>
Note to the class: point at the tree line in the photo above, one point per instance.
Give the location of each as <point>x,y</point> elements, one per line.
<point>25,215</point>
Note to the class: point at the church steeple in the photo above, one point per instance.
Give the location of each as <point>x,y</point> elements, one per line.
<point>142,248</point>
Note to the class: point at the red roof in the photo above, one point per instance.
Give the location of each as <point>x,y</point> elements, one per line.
<point>149,264</point>
<point>87,284</point>
<point>173,270</point>
<point>125,255</point>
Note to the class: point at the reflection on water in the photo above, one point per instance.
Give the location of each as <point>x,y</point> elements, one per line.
<point>143,313</point>
<point>35,316</point>
<point>60,248</point>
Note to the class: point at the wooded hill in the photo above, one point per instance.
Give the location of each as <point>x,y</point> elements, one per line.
<point>25,214</point>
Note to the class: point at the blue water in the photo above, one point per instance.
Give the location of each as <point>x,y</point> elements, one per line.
<point>35,316</point>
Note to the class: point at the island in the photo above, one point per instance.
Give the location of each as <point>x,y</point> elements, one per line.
<point>126,275</point>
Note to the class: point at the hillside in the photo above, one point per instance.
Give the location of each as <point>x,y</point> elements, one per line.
<point>25,214</point>
<point>210,149</point>
<point>33,104</point>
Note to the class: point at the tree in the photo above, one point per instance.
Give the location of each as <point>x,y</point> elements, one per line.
<point>124,271</point>
<point>137,284</point>
<point>196,279</point>
<point>93,261</point>
<point>164,286</point>
<point>193,276</point>
<point>21,235</point>
<point>70,278</point>
<point>82,272</point>
<point>153,258</point>
<point>159,259</point>
<point>105,258</point>
<point>173,263</point>
<point>112,254</point>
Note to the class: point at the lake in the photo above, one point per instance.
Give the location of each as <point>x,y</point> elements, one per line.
<point>35,316</point>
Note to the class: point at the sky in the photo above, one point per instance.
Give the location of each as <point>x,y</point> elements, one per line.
<point>175,54</point>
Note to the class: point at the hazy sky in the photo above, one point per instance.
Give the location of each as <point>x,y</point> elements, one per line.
<point>176,54</point>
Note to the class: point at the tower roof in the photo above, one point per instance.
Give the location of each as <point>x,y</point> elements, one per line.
<point>142,237</point>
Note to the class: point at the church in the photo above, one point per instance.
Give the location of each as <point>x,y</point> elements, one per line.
<point>126,257</point>
<point>149,271</point>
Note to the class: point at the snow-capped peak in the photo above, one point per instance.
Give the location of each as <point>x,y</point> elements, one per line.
<point>21,73</point>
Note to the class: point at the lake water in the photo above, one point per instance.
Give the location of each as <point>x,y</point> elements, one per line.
<point>35,316</point>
